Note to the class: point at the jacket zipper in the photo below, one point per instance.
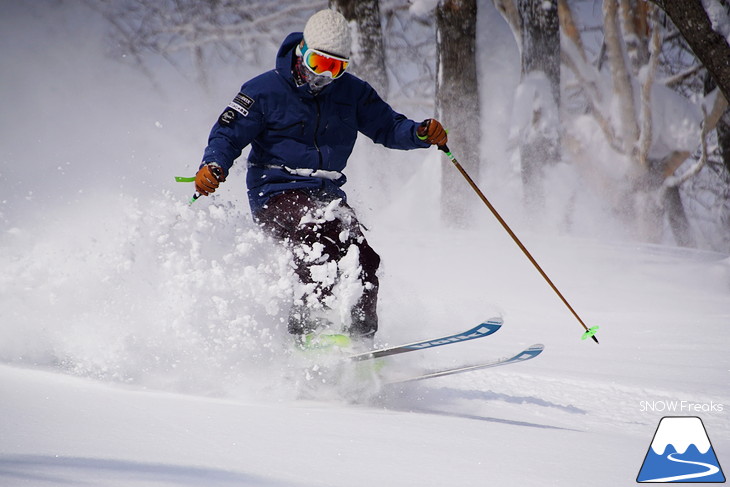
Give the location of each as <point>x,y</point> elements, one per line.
<point>316,130</point>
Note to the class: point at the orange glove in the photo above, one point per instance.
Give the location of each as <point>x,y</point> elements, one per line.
<point>432,131</point>
<point>209,178</point>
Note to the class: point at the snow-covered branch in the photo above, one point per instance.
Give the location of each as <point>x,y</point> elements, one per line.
<point>710,122</point>
<point>237,29</point>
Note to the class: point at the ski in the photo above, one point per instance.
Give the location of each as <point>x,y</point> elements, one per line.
<point>527,354</point>
<point>483,329</point>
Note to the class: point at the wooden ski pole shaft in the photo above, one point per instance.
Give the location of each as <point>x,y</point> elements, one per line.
<point>527,253</point>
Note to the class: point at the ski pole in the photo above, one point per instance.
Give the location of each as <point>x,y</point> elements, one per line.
<point>181,179</point>
<point>589,332</point>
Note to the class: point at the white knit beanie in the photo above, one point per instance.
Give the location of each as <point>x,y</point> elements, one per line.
<point>328,31</point>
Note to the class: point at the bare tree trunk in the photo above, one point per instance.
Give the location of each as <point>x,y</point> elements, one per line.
<point>540,143</point>
<point>723,139</point>
<point>369,61</point>
<point>622,87</point>
<point>678,221</point>
<point>457,100</point>
<point>722,128</point>
<point>567,24</point>
<point>541,40</point>
<point>633,20</point>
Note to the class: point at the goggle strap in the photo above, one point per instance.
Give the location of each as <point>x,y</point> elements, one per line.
<point>321,53</point>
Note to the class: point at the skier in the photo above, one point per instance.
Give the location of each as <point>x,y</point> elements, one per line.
<point>302,119</point>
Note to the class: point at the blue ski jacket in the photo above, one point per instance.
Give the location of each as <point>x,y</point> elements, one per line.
<point>300,140</point>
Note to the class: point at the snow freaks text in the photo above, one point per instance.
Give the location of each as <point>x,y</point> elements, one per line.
<point>680,407</point>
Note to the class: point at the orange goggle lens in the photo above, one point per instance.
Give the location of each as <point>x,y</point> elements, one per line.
<point>321,63</point>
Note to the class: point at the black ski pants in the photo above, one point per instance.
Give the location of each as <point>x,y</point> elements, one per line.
<point>297,218</point>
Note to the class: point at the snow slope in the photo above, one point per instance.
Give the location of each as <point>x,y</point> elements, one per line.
<point>574,416</point>
<point>142,341</point>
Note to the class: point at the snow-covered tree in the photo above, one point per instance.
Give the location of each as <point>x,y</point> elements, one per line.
<point>539,92</point>
<point>457,99</point>
<point>639,91</point>
<point>705,27</point>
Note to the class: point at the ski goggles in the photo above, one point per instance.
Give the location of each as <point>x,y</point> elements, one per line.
<point>322,63</point>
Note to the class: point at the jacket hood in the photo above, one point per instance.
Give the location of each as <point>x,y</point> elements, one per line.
<point>286,53</point>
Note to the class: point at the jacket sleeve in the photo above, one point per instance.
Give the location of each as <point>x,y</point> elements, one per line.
<point>383,125</point>
<point>239,123</point>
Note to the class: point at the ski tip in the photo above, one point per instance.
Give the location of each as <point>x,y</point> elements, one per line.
<point>530,352</point>
<point>487,327</point>
<point>495,320</point>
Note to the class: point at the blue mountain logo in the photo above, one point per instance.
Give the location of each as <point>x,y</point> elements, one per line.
<point>681,452</point>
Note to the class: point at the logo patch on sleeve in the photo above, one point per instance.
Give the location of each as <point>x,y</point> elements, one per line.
<point>241,103</point>
<point>227,117</point>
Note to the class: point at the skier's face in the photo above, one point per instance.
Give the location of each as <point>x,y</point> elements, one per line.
<point>320,68</point>
<point>322,63</point>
